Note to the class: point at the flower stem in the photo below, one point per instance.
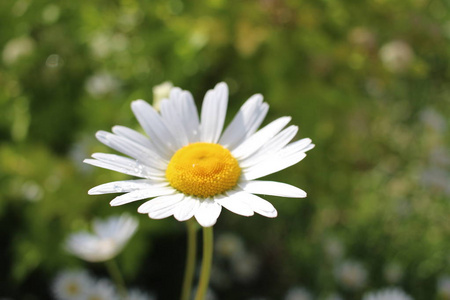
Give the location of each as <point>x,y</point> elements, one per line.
<point>206,263</point>
<point>116,276</point>
<point>190,259</point>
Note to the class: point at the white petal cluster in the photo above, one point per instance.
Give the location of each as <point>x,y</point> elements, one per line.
<point>107,240</point>
<point>387,294</point>
<point>298,293</point>
<point>71,285</point>
<point>258,152</point>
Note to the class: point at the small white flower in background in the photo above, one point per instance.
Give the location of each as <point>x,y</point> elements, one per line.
<point>108,239</point>
<point>192,167</point>
<point>387,294</point>
<point>17,48</point>
<point>334,248</point>
<point>298,293</point>
<point>228,245</point>
<point>71,285</point>
<point>101,84</point>
<point>396,56</point>
<point>351,274</point>
<point>393,273</point>
<point>135,294</point>
<point>245,266</point>
<point>101,290</point>
<point>443,287</point>
<point>160,92</point>
<point>433,119</point>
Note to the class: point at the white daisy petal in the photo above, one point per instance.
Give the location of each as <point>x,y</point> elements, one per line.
<point>159,203</point>
<point>142,194</point>
<point>245,123</point>
<point>186,209</point>
<point>123,165</point>
<point>272,165</point>
<point>257,140</point>
<point>259,205</point>
<point>234,203</point>
<point>213,114</point>
<point>154,126</point>
<point>272,188</point>
<point>125,186</point>
<point>132,135</point>
<point>274,145</point>
<point>140,152</point>
<point>172,120</point>
<point>208,212</point>
<point>189,116</point>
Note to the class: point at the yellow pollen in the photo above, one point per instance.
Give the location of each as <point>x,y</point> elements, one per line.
<point>203,170</point>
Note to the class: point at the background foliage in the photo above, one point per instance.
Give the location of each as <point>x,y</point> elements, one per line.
<point>367,80</point>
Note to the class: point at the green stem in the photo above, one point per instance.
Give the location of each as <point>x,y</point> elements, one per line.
<point>190,259</point>
<point>116,276</point>
<point>206,263</point>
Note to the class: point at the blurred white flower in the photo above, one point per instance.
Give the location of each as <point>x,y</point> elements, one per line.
<point>433,119</point>
<point>229,245</point>
<point>298,293</point>
<point>351,274</point>
<point>104,44</point>
<point>109,237</point>
<point>396,56</point>
<point>436,178</point>
<point>245,267</point>
<point>443,287</point>
<point>101,290</point>
<point>393,273</point>
<point>387,294</point>
<point>135,294</point>
<point>334,248</point>
<point>17,48</point>
<point>101,84</point>
<point>32,191</point>
<point>71,285</point>
<point>160,92</point>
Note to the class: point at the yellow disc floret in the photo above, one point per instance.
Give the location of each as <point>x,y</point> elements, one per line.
<point>203,170</point>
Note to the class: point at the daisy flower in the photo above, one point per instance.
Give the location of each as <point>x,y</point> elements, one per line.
<point>192,167</point>
<point>108,239</point>
<point>71,285</point>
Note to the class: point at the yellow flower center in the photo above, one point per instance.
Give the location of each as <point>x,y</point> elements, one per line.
<point>203,170</point>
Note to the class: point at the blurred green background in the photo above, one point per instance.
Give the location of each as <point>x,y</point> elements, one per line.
<point>367,80</point>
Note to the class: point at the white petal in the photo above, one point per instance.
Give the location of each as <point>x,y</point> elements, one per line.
<point>213,114</point>
<point>124,165</point>
<point>160,203</point>
<point>124,186</point>
<point>132,135</point>
<point>173,121</point>
<point>208,212</point>
<point>272,165</point>
<point>154,126</point>
<point>189,116</point>
<point>259,205</point>
<point>257,140</point>
<point>272,188</point>
<point>274,145</point>
<point>245,123</point>
<point>140,152</point>
<point>186,209</point>
<point>142,194</point>
<point>234,203</point>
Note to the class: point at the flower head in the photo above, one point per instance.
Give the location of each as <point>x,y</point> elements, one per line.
<point>108,239</point>
<point>192,167</point>
<point>101,290</point>
<point>71,285</point>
